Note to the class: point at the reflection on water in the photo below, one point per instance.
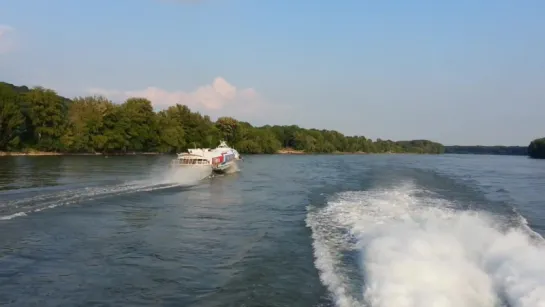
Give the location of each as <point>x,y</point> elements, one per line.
<point>29,172</point>
<point>9,172</point>
<point>44,171</point>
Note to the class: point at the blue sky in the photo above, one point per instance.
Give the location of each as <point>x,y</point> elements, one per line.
<point>458,72</point>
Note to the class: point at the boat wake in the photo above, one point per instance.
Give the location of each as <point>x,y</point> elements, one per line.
<point>167,179</point>
<point>407,247</point>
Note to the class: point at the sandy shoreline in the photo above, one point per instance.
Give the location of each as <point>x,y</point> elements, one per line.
<point>289,151</point>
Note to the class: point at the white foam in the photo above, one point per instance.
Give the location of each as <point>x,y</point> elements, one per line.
<point>165,179</point>
<point>420,251</point>
<point>9,217</point>
<point>328,262</point>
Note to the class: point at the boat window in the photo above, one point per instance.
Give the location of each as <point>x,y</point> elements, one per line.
<point>190,161</point>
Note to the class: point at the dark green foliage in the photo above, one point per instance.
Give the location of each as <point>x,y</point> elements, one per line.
<point>12,121</point>
<point>171,134</point>
<point>536,149</point>
<point>40,119</point>
<point>46,113</point>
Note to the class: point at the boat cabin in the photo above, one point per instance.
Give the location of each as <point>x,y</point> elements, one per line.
<point>221,156</point>
<point>191,160</point>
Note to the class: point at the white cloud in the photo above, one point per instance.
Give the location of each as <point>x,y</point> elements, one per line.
<point>218,98</point>
<point>6,39</point>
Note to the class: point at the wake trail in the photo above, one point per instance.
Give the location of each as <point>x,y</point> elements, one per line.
<point>166,179</point>
<point>416,249</point>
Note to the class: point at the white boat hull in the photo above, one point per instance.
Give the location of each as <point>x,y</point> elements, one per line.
<point>223,168</point>
<point>203,167</point>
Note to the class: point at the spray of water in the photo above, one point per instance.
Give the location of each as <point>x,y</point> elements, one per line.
<point>161,179</point>
<point>415,251</point>
<point>233,169</point>
<point>183,176</point>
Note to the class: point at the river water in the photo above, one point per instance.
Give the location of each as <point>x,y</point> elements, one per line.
<point>362,230</point>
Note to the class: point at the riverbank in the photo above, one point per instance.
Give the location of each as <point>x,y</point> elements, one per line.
<point>284,151</point>
<point>290,151</point>
<point>48,153</point>
<point>300,152</point>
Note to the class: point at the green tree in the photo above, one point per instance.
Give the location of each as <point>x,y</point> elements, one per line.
<point>267,141</point>
<point>227,127</point>
<point>41,119</point>
<point>47,114</point>
<point>171,132</point>
<point>86,123</point>
<point>115,137</point>
<point>141,129</point>
<point>11,119</point>
<point>536,149</point>
<point>249,146</point>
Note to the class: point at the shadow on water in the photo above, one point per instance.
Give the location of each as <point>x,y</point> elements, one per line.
<point>9,174</point>
<point>48,168</point>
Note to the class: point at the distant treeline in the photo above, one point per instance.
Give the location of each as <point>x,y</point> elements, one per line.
<point>37,119</point>
<point>488,150</point>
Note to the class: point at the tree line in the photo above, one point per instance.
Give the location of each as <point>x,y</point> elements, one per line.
<point>536,150</point>
<point>40,119</point>
<point>488,150</point>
